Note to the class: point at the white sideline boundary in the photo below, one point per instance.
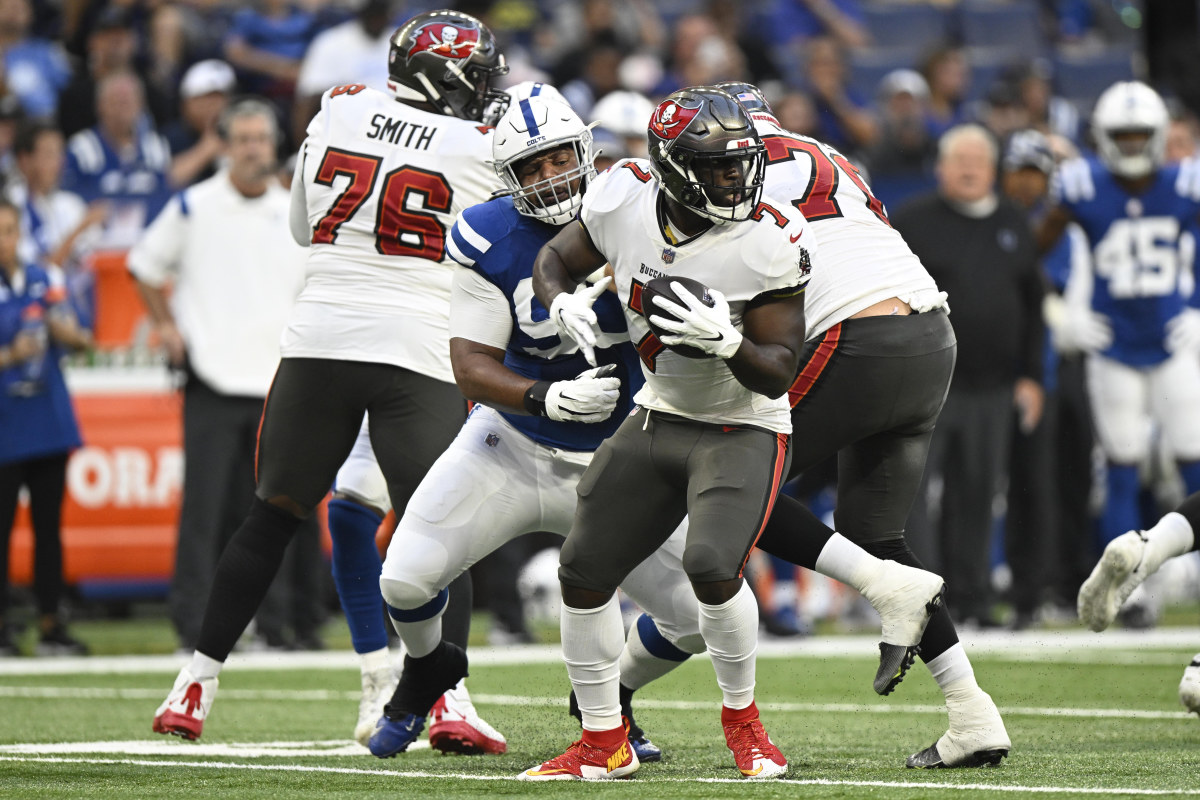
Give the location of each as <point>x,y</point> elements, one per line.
<point>1077,646</point>
<point>635,785</point>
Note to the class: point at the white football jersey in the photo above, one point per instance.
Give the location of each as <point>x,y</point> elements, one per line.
<point>772,254</point>
<point>864,259</point>
<point>382,183</point>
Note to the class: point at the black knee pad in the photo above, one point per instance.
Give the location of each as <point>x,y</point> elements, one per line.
<point>583,573</point>
<point>706,563</point>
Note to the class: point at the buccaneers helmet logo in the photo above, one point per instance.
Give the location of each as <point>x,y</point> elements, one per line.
<point>445,40</point>
<point>670,119</point>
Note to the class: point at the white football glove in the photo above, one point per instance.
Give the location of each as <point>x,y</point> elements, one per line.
<point>589,397</point>
<point>573,316</point>
<point>1076,329</point>
<point>1183,332</point>
<point>708,329</point>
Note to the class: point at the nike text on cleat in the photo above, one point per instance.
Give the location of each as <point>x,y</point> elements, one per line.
<point>456,727</point>
<point>393,736</point>
<point>587,762</point>
<point>186,707</point>
<point>976,737</point>
<point>1113,579</point>
<point>377,688</point>
<point>1189,687</point>
<point>756,755</point>
<point>905,597</point>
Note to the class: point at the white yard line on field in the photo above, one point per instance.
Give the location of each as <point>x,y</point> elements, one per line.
<point>635,785</point>
<point>322,695</point>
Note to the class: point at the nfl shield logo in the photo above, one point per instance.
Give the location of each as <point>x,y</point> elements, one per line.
<point>668,255</point>
<point>491,440</point>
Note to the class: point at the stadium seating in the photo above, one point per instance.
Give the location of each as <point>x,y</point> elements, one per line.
<point>1082,77</point>
<point>915,28</point>
<point>1013,28</point>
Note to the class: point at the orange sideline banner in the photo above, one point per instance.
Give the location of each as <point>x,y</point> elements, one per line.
<point>123,490</point>
<point>121,511</point>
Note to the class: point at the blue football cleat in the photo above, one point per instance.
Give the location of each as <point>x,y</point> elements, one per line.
<point>644,749</point>
<point>393,736</point>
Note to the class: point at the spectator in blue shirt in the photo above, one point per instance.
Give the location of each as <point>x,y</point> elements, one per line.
<point>787,21</point>
<point>266,45</point>
<point>36,326</point>
<point>35,70</point>
<point>121,160</point>
<point>845,119</point>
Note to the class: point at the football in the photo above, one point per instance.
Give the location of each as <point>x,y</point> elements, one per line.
<point>662,286</point>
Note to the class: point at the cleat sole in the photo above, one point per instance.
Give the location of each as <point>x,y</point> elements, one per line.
<point>895,660</point>
<point>894,663</point>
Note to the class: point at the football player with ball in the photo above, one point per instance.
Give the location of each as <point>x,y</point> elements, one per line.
<point>709,437</point>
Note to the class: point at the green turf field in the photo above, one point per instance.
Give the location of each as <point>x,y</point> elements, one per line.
<point>1089,715</point>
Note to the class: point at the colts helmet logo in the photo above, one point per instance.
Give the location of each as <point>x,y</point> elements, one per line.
<point>448,41</point>
<point>671,119</point>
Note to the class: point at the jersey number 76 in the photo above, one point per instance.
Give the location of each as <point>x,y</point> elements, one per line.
<point>399,230</point>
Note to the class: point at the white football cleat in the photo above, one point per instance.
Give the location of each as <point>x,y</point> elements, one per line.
<point>976,737</point>
<point>905,598</point>
<point>456,727</point>
<point>1189,687</point>
<point>1125,563</point>
<point>377,688</point>
<point>186,707</point>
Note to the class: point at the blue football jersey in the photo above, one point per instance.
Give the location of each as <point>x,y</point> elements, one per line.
<point>1138,267</point>
<point>500,244</point>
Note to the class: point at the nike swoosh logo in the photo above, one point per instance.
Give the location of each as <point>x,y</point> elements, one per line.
<point>716,338</point>
<point>796,238</point>
<point>753,772</point>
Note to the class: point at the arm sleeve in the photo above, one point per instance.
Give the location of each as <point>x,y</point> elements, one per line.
<point>479,311</point>
<point>155,258</point>
<point>298,208</point>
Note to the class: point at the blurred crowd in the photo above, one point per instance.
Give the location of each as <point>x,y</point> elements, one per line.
<point>109,107</point>
<point>115,102</point>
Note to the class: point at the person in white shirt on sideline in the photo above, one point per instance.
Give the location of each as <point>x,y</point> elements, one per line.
<point>225,248</point>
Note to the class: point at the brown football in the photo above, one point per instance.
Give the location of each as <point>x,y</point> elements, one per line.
<point>662,286</point>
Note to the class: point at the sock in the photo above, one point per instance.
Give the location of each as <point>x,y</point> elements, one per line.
<point>647,655</point>
<point>244,573</point>
<point>1121,512</point>
<point>421,628</point>
<point>356,570</point>
<point>731,632</point>
<point>843,560</point>
<point>374,660</point>
<point>203,667</point>
<point>1189,509</point>
<point>953,673</point>
<point>793,533</point>
<point>940,634</point>
<point>732,716</point>
<point>456,623</point>
<point>592,639</point>
<point>1171,536</point>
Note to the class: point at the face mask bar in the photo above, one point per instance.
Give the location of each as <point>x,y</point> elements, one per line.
<point>539,199</point>
<point>704,195</point>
